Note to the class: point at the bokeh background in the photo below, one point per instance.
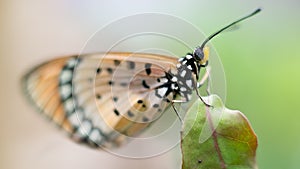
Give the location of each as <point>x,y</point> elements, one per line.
<point>261,61</point>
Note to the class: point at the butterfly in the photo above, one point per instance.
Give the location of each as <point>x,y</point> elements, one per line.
<point>102,98</point>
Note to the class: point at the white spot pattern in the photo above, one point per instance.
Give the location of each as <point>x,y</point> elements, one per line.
<point>162,91</point>
<point>66,76</point>
<point>189,83</point>
<point>182,74</point>
<point>174,79</point>
<point>65,91</point>
<point>188,57</point>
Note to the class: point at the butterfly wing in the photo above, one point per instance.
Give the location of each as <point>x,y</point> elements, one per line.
<point>103,98</point>
<point>41,85</point>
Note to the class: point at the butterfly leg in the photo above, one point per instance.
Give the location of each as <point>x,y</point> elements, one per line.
<point>200,83</point>
<point>206,104</point>
<point>198,94</point>
<point>174,108</point>
<point>208,86</point>
<point>204,78</point>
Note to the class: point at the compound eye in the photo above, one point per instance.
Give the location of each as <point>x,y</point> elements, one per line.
<point>198,54</point>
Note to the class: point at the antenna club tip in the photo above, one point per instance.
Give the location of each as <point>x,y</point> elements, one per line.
<point>257,10</point>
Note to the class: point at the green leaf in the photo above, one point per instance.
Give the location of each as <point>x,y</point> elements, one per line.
<point>217,137</point>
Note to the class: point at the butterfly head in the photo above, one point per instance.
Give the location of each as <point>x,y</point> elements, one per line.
<point>201,55</point>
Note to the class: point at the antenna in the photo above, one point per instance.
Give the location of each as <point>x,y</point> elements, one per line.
<point>233,23</point>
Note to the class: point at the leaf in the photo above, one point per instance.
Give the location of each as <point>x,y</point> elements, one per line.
<point>217,138</point>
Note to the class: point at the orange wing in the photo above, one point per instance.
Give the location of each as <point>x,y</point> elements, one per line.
<point>41,85</point>
<point>100,99</point>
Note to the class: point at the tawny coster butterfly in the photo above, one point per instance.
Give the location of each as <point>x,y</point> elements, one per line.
<point>100,98</point>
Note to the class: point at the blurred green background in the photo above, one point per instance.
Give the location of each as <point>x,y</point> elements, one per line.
<point>261,61</point>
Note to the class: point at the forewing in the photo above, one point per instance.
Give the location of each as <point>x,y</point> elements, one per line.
<point>102,98</point>
<point>41,85</point>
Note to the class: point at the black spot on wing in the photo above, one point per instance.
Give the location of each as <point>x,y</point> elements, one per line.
<point>98,70</point>
<point>109,70</point>
<point>116,112</point>
<point>145,84</point>
<point>148,68</point>
<point>130,65</point>
<point>111,83</point>
<point>98,96</point>
<point>145,119</point>
<point>130,114</point>
<point>157,94</point>
<point>117,62</point>
<point>156,105</point>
